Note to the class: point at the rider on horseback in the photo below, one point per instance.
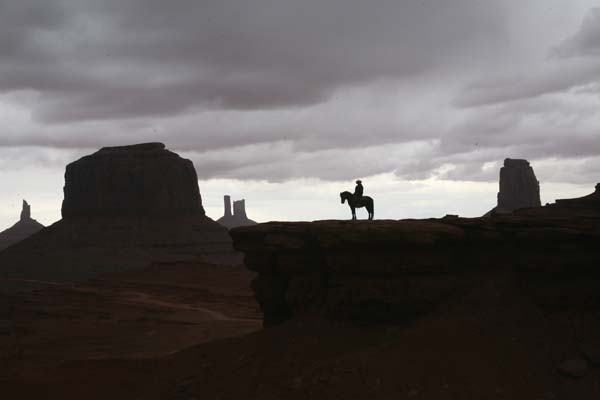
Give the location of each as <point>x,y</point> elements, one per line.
<point>358,191</point>
<point>357,200</point>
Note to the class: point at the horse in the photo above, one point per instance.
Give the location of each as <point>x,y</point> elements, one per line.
<point>365,201</point>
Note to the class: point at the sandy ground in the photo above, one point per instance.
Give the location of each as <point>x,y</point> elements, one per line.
<point>138,315</point>
<point>194,335</point>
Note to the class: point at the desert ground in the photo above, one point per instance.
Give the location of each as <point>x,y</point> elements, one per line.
<point>144,315</point>
<point>193,332</point>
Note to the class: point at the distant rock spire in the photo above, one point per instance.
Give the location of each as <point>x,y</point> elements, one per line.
<point>238,218</point>
<point>519,187</point>
<point>227,201</point>
<point>239,209</point>
<point>26,211</point>
<point>21,230</point>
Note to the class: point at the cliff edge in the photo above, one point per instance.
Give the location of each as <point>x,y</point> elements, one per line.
<point>395,270</point>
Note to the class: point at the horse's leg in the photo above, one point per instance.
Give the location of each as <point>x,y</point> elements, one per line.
<point>353,213</point>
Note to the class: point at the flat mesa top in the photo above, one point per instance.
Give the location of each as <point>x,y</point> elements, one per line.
<point>156,146</point>
<point>511,162</point>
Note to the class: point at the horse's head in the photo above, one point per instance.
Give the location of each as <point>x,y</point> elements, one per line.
<point>342,197</point>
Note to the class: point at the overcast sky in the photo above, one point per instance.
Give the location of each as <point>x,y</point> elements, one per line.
<point>287,102</point>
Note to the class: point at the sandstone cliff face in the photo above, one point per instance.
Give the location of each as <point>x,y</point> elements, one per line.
<point>26,227</point>
<point>519,187</point>
<point>140,180</point>
<point>383,270</point>
<point>395,270</point>
<point>124,208</point>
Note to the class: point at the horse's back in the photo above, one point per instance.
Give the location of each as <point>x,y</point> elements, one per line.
<point>365,201</point>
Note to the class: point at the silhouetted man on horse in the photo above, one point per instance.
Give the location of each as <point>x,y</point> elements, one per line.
<point>358,191</point>
<point>357,200</point>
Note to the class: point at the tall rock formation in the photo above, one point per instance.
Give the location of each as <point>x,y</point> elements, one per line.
<point>519,187</point>
<point>239,208</point>
<point>239,217</point>
<point>25,211</point>
<point>124,208</point>
<point>227,205</point>
<point>21,230</point>
<point>142,180</point>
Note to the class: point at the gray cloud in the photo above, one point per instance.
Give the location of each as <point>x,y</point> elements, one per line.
<point>281,162</point>
<point>547,78</point>
<point>586,42</point>
<point>123,59</point>
<point>278,90</point>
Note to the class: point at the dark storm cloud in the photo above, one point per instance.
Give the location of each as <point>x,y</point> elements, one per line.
<point>281,89</point>
<point>558,126</point>
<point>548,78</point>
<point>586,42</point>
<point>547,113</point>
<point>122,59</point>
<point>574,63</point>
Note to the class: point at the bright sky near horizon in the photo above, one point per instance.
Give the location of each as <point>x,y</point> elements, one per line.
<point>286,103</point>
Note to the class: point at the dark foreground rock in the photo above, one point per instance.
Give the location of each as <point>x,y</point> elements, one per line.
<point>395,270</point>
<point>124,208</point>
<point>574,368</point>
<point>26,227</point>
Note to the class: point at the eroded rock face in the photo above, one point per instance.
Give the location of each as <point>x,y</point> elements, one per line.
<point>384,270</point>
<point>144,180</point>
<point>124,208</point>
<point>21,230</point>
<point>519,187</point>
<point>395,270</point>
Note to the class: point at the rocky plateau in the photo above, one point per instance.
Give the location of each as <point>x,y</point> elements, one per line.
<point>394,270</point>
<point>124,208</point>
